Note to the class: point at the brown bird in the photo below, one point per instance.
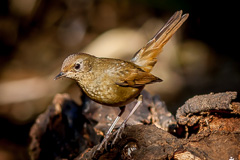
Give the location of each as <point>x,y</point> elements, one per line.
<point>116,82</point>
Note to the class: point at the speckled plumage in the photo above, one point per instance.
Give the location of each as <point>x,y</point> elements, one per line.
<point>102,79</point>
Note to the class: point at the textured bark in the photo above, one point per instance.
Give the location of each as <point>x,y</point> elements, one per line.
<point>207,127</point>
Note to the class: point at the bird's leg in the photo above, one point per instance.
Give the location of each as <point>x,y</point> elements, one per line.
<point>120,129</point>
<point>111,128</point>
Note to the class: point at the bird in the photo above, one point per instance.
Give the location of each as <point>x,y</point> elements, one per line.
<point>116,82</point>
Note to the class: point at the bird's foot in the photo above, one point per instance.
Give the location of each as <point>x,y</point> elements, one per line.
<point>104,142</point>
<point>118,133</point>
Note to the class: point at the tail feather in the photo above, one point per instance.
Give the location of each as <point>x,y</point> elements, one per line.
<point>146,57</point>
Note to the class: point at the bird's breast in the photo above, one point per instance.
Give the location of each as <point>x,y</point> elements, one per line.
<point>103,89</point>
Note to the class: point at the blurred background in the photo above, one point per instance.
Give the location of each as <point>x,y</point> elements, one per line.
<point>37,35</point>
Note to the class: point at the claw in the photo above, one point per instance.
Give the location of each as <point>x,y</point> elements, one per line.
<point>118,133</point>
<point>104,142</point>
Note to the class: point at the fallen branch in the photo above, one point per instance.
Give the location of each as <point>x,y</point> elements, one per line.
<point>210,124</point>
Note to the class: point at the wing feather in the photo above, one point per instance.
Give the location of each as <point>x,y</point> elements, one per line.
<point>137,77</point>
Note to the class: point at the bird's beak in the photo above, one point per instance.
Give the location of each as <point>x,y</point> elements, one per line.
<point>60,75</point>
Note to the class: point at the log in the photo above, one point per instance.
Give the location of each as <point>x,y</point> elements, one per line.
<point>206,127</point>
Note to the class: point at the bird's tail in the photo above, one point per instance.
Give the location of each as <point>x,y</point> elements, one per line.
<point>146,57</point>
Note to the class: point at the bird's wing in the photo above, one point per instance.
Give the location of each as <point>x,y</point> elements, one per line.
<point>136,77</point>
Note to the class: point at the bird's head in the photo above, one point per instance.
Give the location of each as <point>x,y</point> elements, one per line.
<point>75,65</point>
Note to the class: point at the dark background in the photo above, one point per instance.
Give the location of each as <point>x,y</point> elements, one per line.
<point>37,35</point>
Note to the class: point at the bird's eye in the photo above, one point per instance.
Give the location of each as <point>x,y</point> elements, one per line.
<point>77,66</point>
